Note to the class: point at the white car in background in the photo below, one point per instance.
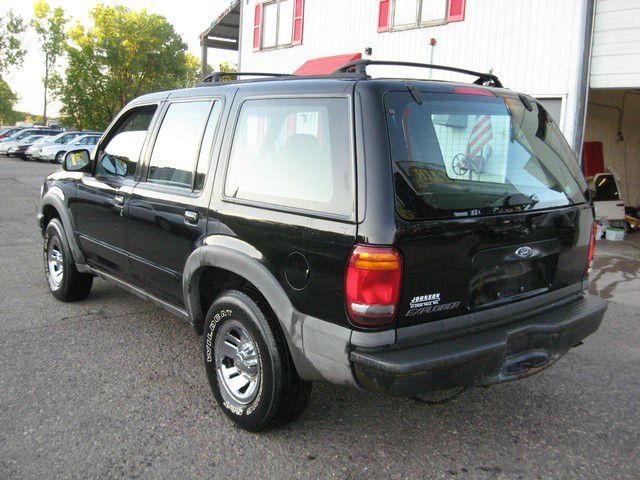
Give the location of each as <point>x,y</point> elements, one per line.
<point>18,148</point>
<point>55,153</point>
<point>33,152</point>
<point>606,199</point>
<point>9,144</point>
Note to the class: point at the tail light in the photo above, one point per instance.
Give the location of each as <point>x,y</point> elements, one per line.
<point>592,248</point>
<point>372,285</point>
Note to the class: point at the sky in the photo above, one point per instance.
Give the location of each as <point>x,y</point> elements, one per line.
<point>189,18</point>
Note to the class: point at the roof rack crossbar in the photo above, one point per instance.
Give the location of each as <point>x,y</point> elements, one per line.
<point>216,77</point>
<point>359,67</point>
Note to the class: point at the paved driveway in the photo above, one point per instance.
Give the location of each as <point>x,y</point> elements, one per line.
<point>115,387</point>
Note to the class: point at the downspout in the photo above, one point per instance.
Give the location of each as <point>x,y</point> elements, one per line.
<point>203,55</point>
<point>240,36</point>
<point>584,70</point>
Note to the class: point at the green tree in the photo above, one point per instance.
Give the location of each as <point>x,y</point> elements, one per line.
<point>123,55</point>
<point>11,55</point>
<point>193,71</point>
<point>7,101</point>
<point>11,52</point>
<point>228,67</point>
<point>49,25</point>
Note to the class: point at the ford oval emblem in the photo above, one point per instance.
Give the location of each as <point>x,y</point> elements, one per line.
<point>524,252</point>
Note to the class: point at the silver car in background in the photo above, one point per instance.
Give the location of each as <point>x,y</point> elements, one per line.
<point>17,136</point>
<point>54,153</point>
<point>18,148</point>
<point>10,144</point>
<point>33,152</point>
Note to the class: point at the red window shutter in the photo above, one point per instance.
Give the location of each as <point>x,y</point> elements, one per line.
<point>456,10</point>
<point>298,22</point>
<point>257,27</point>
<point>383,15</point>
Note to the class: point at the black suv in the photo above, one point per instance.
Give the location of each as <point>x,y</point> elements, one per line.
<point>401,236</point>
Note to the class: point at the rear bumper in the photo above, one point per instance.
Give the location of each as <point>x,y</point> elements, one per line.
<point>500,354</point>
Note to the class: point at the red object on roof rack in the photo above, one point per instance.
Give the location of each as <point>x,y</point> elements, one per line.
<point>326,65</point>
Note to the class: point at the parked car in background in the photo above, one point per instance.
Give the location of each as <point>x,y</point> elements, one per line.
<point>16,137</point>
<point>33,153</point>
<point>54,153</point>
<point>19,150</point>
<point>606,199</point>
<point>7,132</point>
<point>37,145</point>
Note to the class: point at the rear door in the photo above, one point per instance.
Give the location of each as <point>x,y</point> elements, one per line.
<point>286,196</point>
<point>490,201</point>
<point>167,213</point>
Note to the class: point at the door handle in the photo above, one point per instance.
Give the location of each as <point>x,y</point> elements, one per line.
<point>119,199</point>
<point>190,216</point>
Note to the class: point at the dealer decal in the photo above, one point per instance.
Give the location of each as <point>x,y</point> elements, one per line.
<point>429,303</point>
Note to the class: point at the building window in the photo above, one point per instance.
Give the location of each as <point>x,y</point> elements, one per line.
<point>277,24</point>
<point>403,14</point>
<point>416,13</point>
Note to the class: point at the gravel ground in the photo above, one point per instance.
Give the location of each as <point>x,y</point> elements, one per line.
<point>113,387</point>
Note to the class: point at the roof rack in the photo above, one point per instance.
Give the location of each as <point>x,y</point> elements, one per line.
<point>216,77</point>
<point>359,67</point>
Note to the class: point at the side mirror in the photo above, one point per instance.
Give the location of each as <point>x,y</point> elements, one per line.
<point>77,161</point>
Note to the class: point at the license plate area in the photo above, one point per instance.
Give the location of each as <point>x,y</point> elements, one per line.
<point>497,275</point>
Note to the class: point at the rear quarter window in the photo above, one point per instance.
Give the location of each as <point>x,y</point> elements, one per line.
<point>294,153</point>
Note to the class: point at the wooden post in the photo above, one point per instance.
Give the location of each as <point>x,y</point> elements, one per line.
<point>203,56</point>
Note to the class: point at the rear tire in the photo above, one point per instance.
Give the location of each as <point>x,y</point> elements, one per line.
<point>249,366</point>
<point>64,280</point>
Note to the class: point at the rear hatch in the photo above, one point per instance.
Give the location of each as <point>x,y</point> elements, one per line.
<point>490,200</point>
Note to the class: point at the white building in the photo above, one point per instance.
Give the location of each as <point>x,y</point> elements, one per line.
<point>545,48</point>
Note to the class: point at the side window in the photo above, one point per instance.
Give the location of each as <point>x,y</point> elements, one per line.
<point>119,156</point>
<point>294,153</point>
<point>177,145</point>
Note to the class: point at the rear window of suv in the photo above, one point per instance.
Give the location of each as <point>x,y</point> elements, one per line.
<point>457,155</point>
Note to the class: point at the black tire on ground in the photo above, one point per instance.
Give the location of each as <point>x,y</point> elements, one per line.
<point>280,395</point>
<point>70,285</point>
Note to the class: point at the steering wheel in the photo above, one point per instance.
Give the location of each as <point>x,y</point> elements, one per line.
<point>458,165</point>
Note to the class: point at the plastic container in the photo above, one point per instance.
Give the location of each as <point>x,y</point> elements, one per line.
<point>615,234</point>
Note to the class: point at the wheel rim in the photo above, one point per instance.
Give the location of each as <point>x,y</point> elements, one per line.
<point>237,363</point>
<point>55,263</point>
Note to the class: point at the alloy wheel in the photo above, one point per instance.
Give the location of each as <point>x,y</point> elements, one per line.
<point>237,363</point>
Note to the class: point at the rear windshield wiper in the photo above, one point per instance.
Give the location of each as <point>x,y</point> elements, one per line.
<point>518,200</point>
